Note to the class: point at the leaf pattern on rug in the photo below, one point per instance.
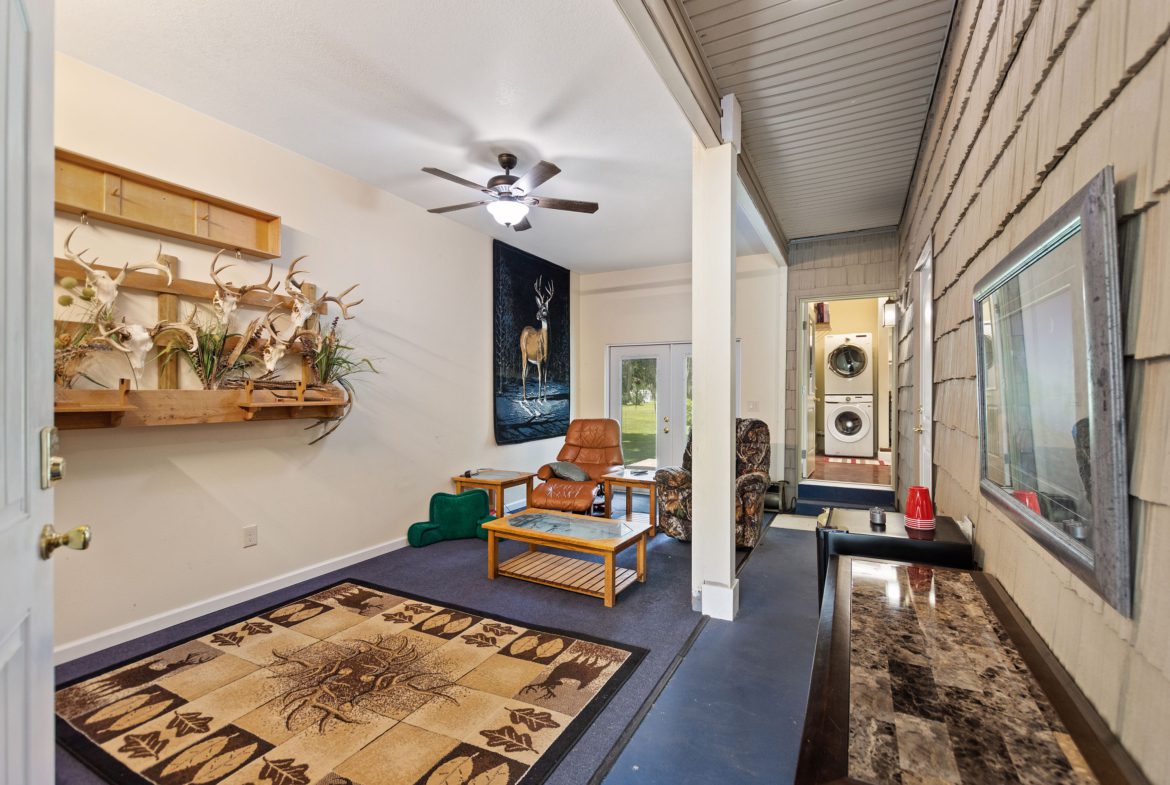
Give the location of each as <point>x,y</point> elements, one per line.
<point>285,771</point>
<point>497,776</point>
<point>144,745</point>
<point>197,754</point>
<point>418,607</point>
<point>400,617</point>
<point>496,628</point>
<point>479,640</point>
<point>227,639</point>
<point>535,720</point>
<point>256,628</point>
<point>509,738</point>
<point>222,765</point>
<point>454,772</point>
<point>185,723</point>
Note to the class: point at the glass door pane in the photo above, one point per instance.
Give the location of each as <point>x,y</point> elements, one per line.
<point>640,412</point>
<point>639,398</point>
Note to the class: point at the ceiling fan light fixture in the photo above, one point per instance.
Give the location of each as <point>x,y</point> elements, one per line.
<point>507,211</point>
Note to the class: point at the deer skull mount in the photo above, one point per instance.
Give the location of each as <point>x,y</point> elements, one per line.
<point>228,295</point>
<point>135,340</point>
<point>104,287</point>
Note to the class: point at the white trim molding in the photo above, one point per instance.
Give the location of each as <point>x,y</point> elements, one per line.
<point>160,621</point>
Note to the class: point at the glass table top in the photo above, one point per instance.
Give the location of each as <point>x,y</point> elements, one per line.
<point>550,523</point>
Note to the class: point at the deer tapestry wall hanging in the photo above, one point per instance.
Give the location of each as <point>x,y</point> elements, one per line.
<point>531,346</point>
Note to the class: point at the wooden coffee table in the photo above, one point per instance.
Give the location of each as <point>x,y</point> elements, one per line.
<point>632,479</point>
<point>568,532</point>
<point>495,482</point>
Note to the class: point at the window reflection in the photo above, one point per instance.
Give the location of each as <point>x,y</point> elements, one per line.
<point>1036,387</point>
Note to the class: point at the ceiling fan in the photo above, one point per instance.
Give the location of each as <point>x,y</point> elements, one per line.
<point>509,197</point>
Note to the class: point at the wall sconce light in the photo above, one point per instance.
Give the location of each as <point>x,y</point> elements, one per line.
<point>889,312</point>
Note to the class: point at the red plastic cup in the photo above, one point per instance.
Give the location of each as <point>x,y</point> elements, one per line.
<point>919,510</point>
<point>1031,500</point>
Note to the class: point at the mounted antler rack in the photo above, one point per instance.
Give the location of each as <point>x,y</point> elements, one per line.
<point>238,401</point>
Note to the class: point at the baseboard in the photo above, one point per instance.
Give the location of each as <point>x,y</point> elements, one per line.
<point>160,621</point>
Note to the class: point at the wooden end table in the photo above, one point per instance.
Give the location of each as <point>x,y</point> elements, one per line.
<point>568,532</point>
<point>495,482</point>
<point>631,479</point>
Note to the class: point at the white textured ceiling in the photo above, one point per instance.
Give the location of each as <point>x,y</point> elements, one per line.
<point>380,89</point>
<point>834,95</point>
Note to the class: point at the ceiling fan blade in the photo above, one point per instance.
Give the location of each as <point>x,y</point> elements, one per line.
<point>457,179</point>
<point>458,206</point>
<point>520,227</point>
<point>541,173</point>
<point>565,204</point>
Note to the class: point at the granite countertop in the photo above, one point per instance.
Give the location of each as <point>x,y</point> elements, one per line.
<point>938,693</point>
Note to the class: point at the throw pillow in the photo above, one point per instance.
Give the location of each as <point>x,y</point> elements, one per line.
<point>568,471</point>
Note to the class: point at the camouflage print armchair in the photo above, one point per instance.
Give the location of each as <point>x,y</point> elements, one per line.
<point>753,457</point>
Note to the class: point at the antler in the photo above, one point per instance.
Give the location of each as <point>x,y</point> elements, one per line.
<point>239,291</point>
<point>549,294</point>
<point>291,284</point>
<point>112,336</point>
<point>342,305</point>
<point>75,256</point>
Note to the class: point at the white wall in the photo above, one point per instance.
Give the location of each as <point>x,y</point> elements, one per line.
<point>653,305</point>
<point>167,504</point>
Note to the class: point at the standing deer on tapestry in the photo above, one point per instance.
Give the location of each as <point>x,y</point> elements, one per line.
<point>534,344</point>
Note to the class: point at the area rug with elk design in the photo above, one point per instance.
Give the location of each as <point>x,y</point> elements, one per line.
<point>352,685</point>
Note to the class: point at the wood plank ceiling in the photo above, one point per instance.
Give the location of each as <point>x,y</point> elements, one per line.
<point>834,96</point>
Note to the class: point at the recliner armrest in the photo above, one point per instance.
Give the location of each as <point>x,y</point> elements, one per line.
<point>545,472</point>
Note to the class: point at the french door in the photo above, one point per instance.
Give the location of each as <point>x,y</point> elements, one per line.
<point>650,395</point>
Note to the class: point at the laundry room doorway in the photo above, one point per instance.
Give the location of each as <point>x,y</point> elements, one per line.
<point>847,387</point>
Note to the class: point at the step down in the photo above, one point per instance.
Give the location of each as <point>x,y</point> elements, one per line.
<point>812,498</point>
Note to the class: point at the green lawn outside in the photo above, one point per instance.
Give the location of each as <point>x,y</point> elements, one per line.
<point>639,429</point>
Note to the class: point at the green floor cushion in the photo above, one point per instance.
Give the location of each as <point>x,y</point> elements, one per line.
<point>453,517</point>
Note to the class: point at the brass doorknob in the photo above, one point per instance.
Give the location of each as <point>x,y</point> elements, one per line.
<point>919,429</point>
<point>666,430</point>
<point>77,539</point>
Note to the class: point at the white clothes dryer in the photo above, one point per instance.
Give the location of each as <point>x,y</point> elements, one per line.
<point>849,364</point>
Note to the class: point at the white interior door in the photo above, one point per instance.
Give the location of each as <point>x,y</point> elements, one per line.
<point>26,395</point>
<point>640,399</point>
<point>923,294</point>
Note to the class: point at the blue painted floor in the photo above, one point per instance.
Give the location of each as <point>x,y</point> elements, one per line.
<point>734,709</point>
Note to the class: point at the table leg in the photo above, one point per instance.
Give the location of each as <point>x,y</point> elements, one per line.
<point>493,555</point>
<point>654,510</point>
<point>609,580</point>
<point>458,487</point>
<point>528,493</point>
<point>629,502</point>
<point>531,547</point>
<point>642,559</point>
<point>608,499</point>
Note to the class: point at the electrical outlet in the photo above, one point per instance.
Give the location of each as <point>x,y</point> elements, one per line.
<point>251,535</point>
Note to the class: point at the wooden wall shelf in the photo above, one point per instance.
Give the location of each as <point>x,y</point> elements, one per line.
<point>76,409</point>
<point>113,194</point>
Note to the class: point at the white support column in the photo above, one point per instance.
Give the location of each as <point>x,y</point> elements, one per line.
<point>713,339</point>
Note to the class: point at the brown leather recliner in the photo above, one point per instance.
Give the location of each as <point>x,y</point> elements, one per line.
<point>593,445</point>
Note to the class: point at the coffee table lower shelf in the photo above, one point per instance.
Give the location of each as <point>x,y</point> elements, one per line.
<point>566,572</point>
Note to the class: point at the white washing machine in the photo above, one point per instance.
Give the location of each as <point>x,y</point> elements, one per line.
<point>849,364</point>
<point>849,430</point>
